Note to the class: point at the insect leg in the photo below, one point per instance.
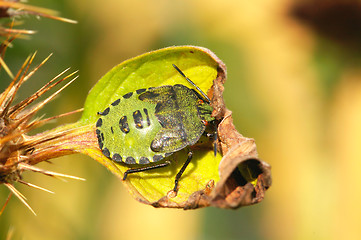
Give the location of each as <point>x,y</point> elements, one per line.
<point>179,174</point>
<point>215,138</point>
<point>143,169</point>
<point>215,144</point>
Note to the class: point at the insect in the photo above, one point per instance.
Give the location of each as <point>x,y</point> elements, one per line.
<point>142,128</point>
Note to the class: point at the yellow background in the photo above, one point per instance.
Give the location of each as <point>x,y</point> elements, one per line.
<point>297,92</point>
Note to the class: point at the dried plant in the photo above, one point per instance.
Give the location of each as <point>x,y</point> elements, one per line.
<point>16,120</point>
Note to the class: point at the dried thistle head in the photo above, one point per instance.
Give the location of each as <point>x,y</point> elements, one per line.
<point>16,120</point>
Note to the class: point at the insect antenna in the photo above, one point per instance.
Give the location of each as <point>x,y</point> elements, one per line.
<point>190,81</point>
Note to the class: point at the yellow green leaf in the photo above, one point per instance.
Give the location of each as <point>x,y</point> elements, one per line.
<point>155,69</point>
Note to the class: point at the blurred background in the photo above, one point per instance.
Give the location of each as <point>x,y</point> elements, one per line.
<point>294,85</point>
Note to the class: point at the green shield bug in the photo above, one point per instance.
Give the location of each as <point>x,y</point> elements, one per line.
<point>142,128</point>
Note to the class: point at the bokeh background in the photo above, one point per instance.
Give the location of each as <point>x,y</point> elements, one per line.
<point>294,84</point>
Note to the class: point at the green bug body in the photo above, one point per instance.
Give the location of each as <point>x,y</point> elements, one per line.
<point>126,129</point>
<point>148,125</point>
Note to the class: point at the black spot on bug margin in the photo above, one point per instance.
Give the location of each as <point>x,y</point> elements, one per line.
<point>117,158</point>
<point>139,91</point>
<point>116,102</point>
<point>130,160</point>
<point>105,112</point>
<point>144,160</point>
<point>100,143</point>
<point>99,123</point>
<point>128,95</point>
<point>106,152</point>
<point>97,132</point>
<point>157,158</point>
